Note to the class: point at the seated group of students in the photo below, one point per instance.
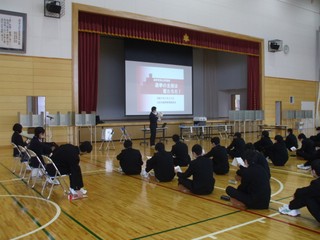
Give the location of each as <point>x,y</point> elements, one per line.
<point>66,157</point>
<point>253,192</point>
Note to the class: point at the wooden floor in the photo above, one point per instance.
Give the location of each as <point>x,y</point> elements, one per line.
<point>129,207</point>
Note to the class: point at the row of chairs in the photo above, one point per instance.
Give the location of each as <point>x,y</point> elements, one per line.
<point>23,158</point>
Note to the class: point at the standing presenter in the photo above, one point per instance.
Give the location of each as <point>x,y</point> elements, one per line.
<point>153,118</point>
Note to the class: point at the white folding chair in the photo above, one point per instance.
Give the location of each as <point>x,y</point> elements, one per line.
<point>55,179</point>
<point>124,134</point>
<point>16,157</point>
<point>25,160</point>
<point>106,136</point>
<point>40,170</point>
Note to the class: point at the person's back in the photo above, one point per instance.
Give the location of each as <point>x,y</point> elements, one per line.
<point>279,153</point>
<point>130,159</point>
<point>179,152</point>
<point>203,181</point>
<point>237,146</point>
<point>262,161</point>
<point>255,182</point>
<point>162,164</point>
<point>219,157</point>
<point>291,140</point>
<point>65,156</point>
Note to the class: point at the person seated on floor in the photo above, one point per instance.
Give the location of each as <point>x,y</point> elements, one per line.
<point>306,152</point>
<point>260,160</point>
<point>162,164</point>
<point>263,144</point>
<point>17,139</point>
<point>39,147</point>
<point>316,138</point>
<point>278,152</point>
<point>180,152</point>
<point>200,169</point>
<point>291,140</point>
<point>219,156</point>
<point>67,159</point>
<point>236,148</point>
<point>254,191</point>
<point>130,159</point>
<point>306,196</point>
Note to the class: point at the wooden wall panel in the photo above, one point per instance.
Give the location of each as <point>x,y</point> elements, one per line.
<point>22,76</point>
<point>280,89</point>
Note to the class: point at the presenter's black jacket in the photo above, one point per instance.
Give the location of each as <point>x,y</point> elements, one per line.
<point>163,166</point>
<point>201,171</point>
<point>153,121</point>
<point>255,185</point>
<point>180,153</point>
<point>236,148</point>
<point>219,157</point>
<point>278,154</point>
<point>40,148</point>
<point>130,161</point>
<point>291,141</point>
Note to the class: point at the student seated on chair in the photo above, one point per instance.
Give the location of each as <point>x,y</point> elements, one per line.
<point>254,191</point>
<point>162,164</point>
<point>180,152</point>
<point>17,139</point>
<point>39,147</point>
<point>200,169</point>
<point>219,157</point>
<point>130,159</point>
<point>306,196</point>
<point>67,159</point>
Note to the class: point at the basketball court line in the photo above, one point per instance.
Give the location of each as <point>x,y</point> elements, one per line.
<point>40,227</point>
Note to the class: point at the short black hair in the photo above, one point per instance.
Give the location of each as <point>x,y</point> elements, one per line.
<point>153,108</point>
<point>265,133</point>
<point>315,165</point>
<point>318,128</point>
<point>290,130</point>
<point>302,136</point>
<point>159,147</point>
<point>175,138</point>
<point>38,131</point>
<point>17,127</point>
<point>127,143</point>
<point>85,147</point>
<point>215,140</point>
<point>250,155</point>
<point>237,134</point>
<point>278,138</point>
<point>197,149</point>
<point>249,146</point>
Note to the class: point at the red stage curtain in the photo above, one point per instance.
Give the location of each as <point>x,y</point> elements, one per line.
<point>253,84</point>
<point>89,48</point>
<point>129,28</point>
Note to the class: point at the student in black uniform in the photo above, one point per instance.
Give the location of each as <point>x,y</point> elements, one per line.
<point>180,152</point>
<point>254,191</point>
<point>153,118</point>
<point>200,169</point>
<point>219,157</point>
<point>263,144</point>
<point>162,164</point>
<point>307,196</point>
<point>291,140</point>
<point>316,138</point>
<point>130,159</point>
<point>236,148</point>
<point>307,151</point>
<point>278,152</point>
<point>16,138</point>
<point>67,159</point>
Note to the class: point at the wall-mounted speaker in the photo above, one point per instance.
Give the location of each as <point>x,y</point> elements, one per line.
<point>54,7</point>
<point>275,45</point>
